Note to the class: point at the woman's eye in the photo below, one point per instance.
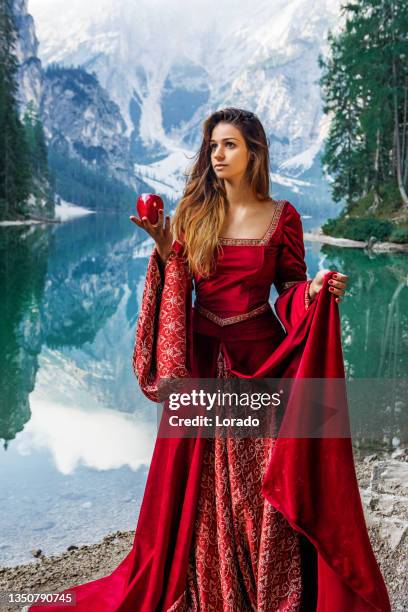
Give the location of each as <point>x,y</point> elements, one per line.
<point>227,143</point>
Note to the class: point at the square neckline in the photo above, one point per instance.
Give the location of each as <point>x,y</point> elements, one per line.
<point>270,230</point>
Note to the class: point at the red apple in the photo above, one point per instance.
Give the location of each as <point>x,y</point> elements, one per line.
<point>148,205</point>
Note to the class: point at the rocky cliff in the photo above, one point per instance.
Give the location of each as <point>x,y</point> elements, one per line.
<point>78,116</point>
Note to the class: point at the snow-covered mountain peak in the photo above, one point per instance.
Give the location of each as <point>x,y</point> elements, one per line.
<point>169,64</point>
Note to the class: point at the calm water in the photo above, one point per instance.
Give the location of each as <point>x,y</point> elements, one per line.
<point>77,434</point>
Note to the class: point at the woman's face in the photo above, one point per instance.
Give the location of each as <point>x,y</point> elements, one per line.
<point>228,147</point>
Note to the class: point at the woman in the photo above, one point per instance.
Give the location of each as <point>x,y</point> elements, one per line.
<point>240,523</point>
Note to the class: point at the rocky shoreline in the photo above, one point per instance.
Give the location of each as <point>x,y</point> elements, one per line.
<point>317,235</point>
<point>383,482</point>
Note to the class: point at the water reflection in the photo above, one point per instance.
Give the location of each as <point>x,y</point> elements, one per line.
<point>374,327</point>
<point>72,294</point>
<point>374,318</point>
<point>98,438</point>
<point>24,256</point>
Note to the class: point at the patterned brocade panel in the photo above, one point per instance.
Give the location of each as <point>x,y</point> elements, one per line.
<point>244,555</point>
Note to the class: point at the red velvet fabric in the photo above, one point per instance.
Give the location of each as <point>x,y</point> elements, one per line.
<point>246,269</point>
<point>311,481</point>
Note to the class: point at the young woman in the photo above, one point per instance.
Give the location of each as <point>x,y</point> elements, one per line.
<point>226,523</point>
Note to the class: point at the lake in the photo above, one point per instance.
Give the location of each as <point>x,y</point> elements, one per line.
<point>77,434</point>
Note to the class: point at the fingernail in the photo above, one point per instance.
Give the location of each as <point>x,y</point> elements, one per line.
<point>334,275</point>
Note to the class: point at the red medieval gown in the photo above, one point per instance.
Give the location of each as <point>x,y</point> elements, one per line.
<point>239,524</point>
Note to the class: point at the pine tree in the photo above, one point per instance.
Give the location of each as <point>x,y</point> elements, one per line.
<point>364,84</point>
<point>35,139</point>
<point>14,166</point>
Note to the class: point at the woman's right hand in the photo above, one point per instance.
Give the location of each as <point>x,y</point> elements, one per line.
<point>161,235</point>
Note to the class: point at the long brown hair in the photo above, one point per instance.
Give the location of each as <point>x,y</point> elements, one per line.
<point>200,213</point>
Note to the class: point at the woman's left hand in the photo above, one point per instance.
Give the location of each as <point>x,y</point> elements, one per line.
<point>337,284</point>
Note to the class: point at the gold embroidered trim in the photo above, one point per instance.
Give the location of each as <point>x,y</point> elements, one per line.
<point>236,318</point>
<point>307,296</point>
<point>267,236</point>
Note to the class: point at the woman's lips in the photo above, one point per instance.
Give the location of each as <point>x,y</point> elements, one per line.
<point>220,166</point>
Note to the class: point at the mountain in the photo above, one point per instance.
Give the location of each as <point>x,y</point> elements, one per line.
<point>80,119</point>
<point>167,67</point>
<point>30,73</point>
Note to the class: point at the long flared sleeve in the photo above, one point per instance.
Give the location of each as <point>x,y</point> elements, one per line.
<point>163,341</point>
<point>291,279</point>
